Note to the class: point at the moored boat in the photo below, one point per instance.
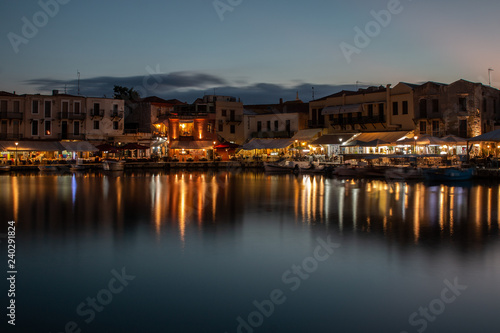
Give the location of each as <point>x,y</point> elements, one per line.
<point>287,167</point>
<point>48,168</point>
<point>113,165</point>
<point>448,174</point>
<point>404,173</point>
<point>4,168</point>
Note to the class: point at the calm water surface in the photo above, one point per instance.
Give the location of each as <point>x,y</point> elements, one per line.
<point>248,252</point>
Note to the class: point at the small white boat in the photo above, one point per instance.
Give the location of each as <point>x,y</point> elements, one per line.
<point>113,165</point>
<point>314,168</point>
<point>4,168</point>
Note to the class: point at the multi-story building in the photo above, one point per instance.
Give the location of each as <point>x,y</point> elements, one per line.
<point>366,110</point>
<point>60,117</point>
<point>12,109</point>
<point>462,108</point>
<point>229,118</point>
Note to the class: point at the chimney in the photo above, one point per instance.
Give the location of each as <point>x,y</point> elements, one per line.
<point>281,100</point>
<point>55,92</point>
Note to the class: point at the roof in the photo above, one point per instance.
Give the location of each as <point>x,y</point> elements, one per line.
<point>307,134</point>
<point>490,136</point>
<point>267,144</point>
<point>333,139</point>
<point>77,146</point>
<point>4,93</point>
<point>385,136</point>
<point>191,145</point>
<point>32,146</point>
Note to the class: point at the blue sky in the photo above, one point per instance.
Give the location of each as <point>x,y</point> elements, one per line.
<point>260,51</point>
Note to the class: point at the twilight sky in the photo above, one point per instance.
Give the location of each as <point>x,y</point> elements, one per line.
<point>259,50</point>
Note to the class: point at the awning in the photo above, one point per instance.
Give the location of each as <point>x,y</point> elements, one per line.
<point>267,144</point>
<point>191,145</point>
<point>32,146</point>
<point>78,146</point>
<point>384,136</point>
<point>307,134</point>
<point>336,139</point>
<point>493,136</point>
<point>341,109</point>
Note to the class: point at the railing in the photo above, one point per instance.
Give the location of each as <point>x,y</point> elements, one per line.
<point>11,115</point>
<point>316,124</point>
<point>96,113</point>
<point>235,119</point>
<point>71,115</point>
<point>115,114</point>
<point>358,120</point>
<point>10,136</point>
<point>71,136</point>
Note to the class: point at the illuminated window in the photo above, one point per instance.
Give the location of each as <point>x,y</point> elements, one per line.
<point>186,129</point>
<point>48,127</point>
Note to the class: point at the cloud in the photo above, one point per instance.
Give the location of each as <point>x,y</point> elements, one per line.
<point>187,86</point>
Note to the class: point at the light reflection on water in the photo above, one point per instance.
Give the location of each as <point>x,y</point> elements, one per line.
<point>226,237</point>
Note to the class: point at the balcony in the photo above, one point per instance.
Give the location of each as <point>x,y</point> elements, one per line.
<point>10,136</point>
<point>71,116</point>
<point>116,114</point>
<point>71,136</point>
<point>316,124</point>
<point>96,113</point>
<point>11,115</point>
<point>235,119</point>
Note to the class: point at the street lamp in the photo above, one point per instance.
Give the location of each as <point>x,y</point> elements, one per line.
<point>213,152</point>
<point>16,151</point>
<point>415,144</point>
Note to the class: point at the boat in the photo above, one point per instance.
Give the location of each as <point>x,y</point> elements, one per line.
<point>448,174</point>
<point>48,168</point>
<point>281,167</point>
<point>404,173</point>
<point>77,167</point>
<point>4,168</point>
<point>111,165</point>
<point>347,170</point>
<point>314,168</point>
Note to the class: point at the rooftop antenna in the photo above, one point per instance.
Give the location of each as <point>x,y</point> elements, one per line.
<point>489,75</point>
<point>78,74</point>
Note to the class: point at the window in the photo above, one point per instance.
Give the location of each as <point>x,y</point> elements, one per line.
<point>370,110</point>
<point>221,126</point>
<point>423,108</point>
<point>115,108</point>
<point>209,128</point>
<point>232,115</point>
<point>95,112</point>
<point>288,126</point>
<point>462,128</point>
<point>34,127</point>
<point>17,107</point>
<point>405,107</point>
<point>268,125</point>
<point>462,104</point>
<point>48,127</point>
<point>96,124</point>
<point>276,125</point>
<point>435,127</point>
<point>115,125</point>
<point>34,107</point>
<point>76,108</point>
<point>381,109</point>
<point>395,110</point>
<point>3,106</point>
<point>485,105</point>
<point>76,128</point>
<point>224,113</point>
<point>259,126</point>
<point>435,105</point>
<point>423,127</point>
<point>48,109</point>
<point>65,107</point>
<point>233,129</point>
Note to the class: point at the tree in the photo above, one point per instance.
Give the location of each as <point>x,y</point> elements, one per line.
<point>127,94</point>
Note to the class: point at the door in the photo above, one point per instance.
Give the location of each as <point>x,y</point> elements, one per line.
<point>64,130</point>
